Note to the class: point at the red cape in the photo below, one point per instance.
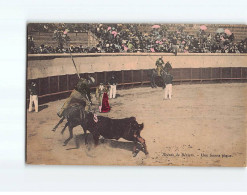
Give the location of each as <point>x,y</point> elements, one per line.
<point>105,104</point>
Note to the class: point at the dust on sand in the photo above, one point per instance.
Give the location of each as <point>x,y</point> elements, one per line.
<point>203,125</point>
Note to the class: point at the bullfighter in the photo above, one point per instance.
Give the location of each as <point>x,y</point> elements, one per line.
<point>81,94</point>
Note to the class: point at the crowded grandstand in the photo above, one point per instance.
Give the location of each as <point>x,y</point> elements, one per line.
<point>136,38</point>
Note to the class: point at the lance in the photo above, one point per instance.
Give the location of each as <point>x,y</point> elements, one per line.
<point>68,44</point>
<point>77,71</point>
<point>74,64</point>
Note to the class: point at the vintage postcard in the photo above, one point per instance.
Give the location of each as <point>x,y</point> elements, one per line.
<point>136,94</point>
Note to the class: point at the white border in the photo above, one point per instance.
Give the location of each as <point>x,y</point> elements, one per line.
<point>16,176</point>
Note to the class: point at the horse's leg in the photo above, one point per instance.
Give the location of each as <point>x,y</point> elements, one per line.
<point>164,83</point>
<point>66,125</point>
<point>142,141</point>
<point>85,133</point>
<point>61,120</point>
<point>70,135</point>
<point>153,79</point>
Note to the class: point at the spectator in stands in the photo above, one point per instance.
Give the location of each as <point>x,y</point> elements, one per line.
<point>128,38</point>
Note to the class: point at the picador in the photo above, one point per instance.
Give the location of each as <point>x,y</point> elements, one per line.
<point>159,63</point>
<point>81,95</point>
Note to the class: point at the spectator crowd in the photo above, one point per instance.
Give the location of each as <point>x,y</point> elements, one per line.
<point>129,38</point>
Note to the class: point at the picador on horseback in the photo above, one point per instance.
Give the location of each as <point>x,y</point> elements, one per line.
<point>80,96</point>
<point>159,75</point>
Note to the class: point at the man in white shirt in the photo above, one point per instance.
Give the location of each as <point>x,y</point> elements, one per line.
<point>113,87</point>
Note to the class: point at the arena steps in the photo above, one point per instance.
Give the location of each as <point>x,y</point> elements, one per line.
<point>84,39</point>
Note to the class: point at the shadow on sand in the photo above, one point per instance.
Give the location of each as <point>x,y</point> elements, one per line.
<point>42,107</point>
<point>125,145</point>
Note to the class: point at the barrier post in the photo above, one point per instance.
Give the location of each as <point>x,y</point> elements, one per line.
<point>241,72</point>
<point>211,73</point>
<point>231,74</point>
<point>220,74</point>
<point>132,77</point>
<point>49,84</point>
<point>105,77</point>
<point>180,76</point>
<point>200,75</point>
<point>39,86</point>
<point>122,77</point>
<point>58,84</point>
<point>141,77</point>
<point>96,78</point>
<point>190,75</point>
<point>67,82</point>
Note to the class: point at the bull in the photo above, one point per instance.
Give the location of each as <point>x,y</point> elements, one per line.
<point>127,128</point>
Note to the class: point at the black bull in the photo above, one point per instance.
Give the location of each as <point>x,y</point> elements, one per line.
<point>127,128</point>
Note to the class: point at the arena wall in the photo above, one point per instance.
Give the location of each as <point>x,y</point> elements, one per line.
<point>47,65</point>
<point>56,78</point>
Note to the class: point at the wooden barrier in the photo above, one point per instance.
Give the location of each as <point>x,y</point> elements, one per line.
<point>57,87</point>
<point>56,78</point>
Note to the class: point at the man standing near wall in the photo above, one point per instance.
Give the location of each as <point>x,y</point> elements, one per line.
<point>33,97</point>
<point>168,88</point>
<point>113,87</point>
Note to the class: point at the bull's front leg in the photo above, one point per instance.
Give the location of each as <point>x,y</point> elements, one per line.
<point>96,136</point>
<point>135,151</point>
<point>143,143</point>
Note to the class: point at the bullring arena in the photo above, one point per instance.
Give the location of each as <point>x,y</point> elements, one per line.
<point>205,117</point>
<point>204,124</point>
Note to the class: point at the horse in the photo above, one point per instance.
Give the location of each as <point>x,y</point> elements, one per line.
<point>75,115</point>
<point>160,80</point>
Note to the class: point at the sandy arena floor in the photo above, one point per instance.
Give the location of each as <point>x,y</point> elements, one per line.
<point>203,125</point>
